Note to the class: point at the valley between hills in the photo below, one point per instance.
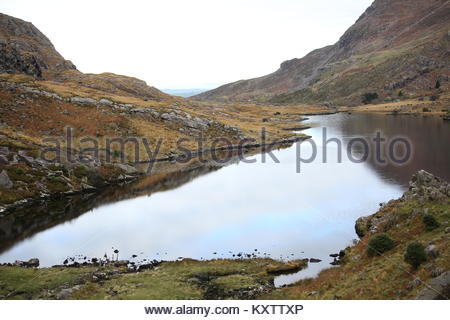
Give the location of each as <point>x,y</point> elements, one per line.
<point>393,64</point>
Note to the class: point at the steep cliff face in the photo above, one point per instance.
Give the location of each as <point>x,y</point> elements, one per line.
<point>26,50</point>
<point>394,44</point>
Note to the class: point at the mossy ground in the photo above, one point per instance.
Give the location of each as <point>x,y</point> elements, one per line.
<point>186,279</point>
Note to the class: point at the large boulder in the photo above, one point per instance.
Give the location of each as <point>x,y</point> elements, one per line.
<point>32,263</point>
<point>436,289</point>
<point>425,186</point>
<point>5,182</point>
<point>127,168</point>
<point>361,227</point>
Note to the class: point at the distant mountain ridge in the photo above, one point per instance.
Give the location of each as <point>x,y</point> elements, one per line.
<point>26,50</point>
<point>394,45</point>
<point>185,93</point>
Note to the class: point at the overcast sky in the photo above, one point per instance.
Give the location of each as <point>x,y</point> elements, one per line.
<point>187,43</point>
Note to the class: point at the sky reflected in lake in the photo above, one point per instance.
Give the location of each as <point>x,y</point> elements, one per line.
<point>240,208</point>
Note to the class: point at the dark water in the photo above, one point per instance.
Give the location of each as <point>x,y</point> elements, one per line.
<point>212,213</point>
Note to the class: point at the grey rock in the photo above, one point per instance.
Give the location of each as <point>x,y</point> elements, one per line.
<point>361,226</point>
<point>447,230</point>
<point>424,186</point>
<point>356,257</point>
<point>32,263</point>
<point>4,150</point>
<point>82,100</point>
<point>66,293</point>
<point>3,160</point>
<point>414,284</point>
<point>314,260</point>
<point>428,266</point>
<point>106,102</point>
<point>87,187</point>
<point>437,272</point>
<point>432,251</point>
<point>312,293</point>
<point>121,263</point>
<point>127,168</point>
<point>437,289</point>
<point>5,182</point>
<point>22,157</point>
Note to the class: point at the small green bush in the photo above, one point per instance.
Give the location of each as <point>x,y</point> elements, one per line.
<point>434,97</point>
<point>415,254</point>
<point>430,222</point>
<point>368,97</point>
<point>438,84</point>
<point>379,244</point>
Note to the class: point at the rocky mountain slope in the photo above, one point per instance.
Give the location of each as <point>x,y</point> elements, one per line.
<point>396,45</point>
<point>26,50</point>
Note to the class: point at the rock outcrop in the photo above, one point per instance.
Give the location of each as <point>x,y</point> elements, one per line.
<point>423,187</point>
<point>5,182</point>
<point>24,49</point>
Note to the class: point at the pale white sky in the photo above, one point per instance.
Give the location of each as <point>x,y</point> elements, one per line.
<point>187,43</point>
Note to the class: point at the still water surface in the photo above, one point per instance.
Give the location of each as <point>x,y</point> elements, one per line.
<point>242,207</point>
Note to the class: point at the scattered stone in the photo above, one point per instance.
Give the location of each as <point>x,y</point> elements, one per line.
<point>127,168</point>
<point>414,284</point>
<point>82,100</point>
<point>356,257</point>
<point>121,263</point>
<point>335,262</point>
<point>334,255</point>
<point>437,272</point>
<point>5,182</point>
<point>312,293</point>
<point>314,260</point>
<point>194,280</point>
<point>106,102</point>
<point>32,263</point>
<point>87,187</point>
<point>66,293</point>
<point>428,266</point>
<point>447,230</point>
